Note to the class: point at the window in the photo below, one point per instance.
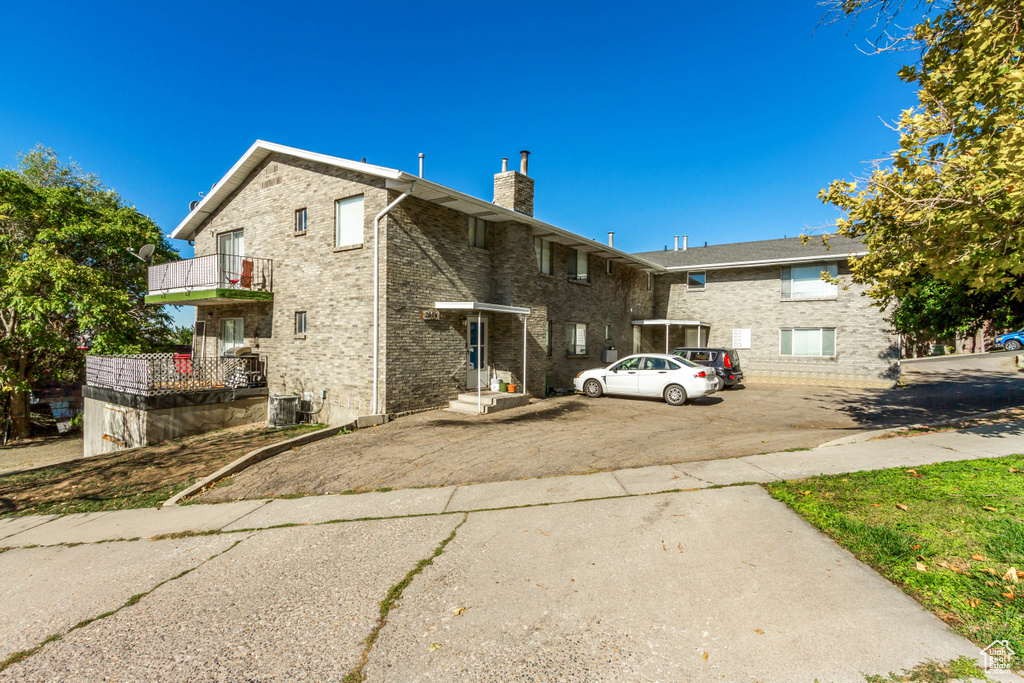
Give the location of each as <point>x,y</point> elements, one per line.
<point>549,339</point>
<point>543,250</point>
<point>804,282</point>
<point>348,222</point>
<point>300,220</point>
<point>812,342</point>
<point>300,322</point>
<point>695,280</point>
<point>650,281</point>
<point>628,364</point>
<point>607,332</point>
<point>579,262</point>
<point>477,232</point>
<point>608,266</point>
<point>231,337</point>
<point>702,356</point>
<point>576,339</point>
<point>655,364</point>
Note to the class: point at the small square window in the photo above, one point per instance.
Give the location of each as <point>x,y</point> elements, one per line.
<point>696,280</point>
<point>300,322</point>
<point>477,232</point>
<point>300,220</point>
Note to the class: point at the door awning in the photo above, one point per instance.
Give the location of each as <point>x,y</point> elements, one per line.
<point>664,321</point>
<point>478,306</point>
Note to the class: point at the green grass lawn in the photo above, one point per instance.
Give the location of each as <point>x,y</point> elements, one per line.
<point>947,534</point>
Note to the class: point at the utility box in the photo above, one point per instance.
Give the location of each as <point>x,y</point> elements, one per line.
<point>283,411</point>
<point>609,355</point>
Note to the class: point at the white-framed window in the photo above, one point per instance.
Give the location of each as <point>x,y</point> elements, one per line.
<point>696,280</point>
<point>804,282</point>
<point>813,342</point>
<point>300,322</point>
<point>348,221</point>
<point>477,232</point>
<point>579,265</point>
<point>608,266</point>
<point>607,332</point>
<point>542,248</point>
<point>300,220</point>
<point>231,335</point>
<point>576,339</point>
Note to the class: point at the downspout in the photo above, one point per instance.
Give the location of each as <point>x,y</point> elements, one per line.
<point>376,288</point>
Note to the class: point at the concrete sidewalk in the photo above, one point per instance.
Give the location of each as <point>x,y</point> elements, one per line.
<point>981,442</point>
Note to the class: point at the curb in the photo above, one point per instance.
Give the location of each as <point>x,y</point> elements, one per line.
<point>253,457</point>
<point>876,433</point>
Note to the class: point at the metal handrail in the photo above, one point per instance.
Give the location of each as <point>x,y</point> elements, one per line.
<point>155,374</point>
<point>213,270</point>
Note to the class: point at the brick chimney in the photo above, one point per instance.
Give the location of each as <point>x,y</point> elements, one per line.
<point>514,189</point>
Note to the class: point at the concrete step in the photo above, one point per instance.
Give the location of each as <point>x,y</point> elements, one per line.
<point>490,402</point>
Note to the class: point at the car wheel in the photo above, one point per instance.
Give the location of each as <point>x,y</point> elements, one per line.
<point>592,388</point>
<point>1012,345</point>
<point>675,395</point>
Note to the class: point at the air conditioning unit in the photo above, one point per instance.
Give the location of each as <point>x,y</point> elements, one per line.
<point>283,411</point>
<point>609,355</point>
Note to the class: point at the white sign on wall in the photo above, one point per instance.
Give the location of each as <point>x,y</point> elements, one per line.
<point>741,339</point>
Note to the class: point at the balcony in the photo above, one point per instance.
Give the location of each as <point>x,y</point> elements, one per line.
<point>213,279</point>
<point>162,374</point>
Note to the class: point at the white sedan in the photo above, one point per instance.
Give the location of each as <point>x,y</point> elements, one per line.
<point>650,374</point>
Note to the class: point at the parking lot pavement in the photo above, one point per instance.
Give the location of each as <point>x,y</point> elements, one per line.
<point>284,604</point>
<point>575,435</point>
<point>723,584</point>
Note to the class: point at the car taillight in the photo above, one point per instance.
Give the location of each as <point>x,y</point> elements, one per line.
<point>700,374</point>
<point>728,363</point>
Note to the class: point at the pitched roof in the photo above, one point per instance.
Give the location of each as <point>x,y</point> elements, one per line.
<point>763,252</point>
<point>401,181</point>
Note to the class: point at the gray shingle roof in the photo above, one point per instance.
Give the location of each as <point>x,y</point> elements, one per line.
<point>762,250</point>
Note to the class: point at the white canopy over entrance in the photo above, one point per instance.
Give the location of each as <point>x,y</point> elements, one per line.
<point>697,324</point>
<point>480,309</point>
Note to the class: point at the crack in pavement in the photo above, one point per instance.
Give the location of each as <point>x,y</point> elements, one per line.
<point>390,601</point>
<point>22,655</point>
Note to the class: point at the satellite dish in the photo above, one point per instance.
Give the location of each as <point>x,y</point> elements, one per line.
<point>192,205</point>
<point>144,253</point>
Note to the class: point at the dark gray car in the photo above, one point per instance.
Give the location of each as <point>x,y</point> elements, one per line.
<point>726,363</point>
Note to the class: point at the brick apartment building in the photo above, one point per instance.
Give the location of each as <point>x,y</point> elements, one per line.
<point>465,289</point>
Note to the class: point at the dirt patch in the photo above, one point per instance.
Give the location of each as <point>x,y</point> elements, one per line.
<point>39,451</point>
<point>139,477</point>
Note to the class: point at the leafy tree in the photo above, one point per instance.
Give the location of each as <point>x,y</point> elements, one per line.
<point>65,272</point>
<point>948,205</point>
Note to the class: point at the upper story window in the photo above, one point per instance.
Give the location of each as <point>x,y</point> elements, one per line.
<point>348,221</point>
<point>696,280</point>
<point>650,281</point>
<point>579,266</point>
<point>300,220</point>
<point>608,266</point>
<point>543,249</point>
<point>300,322</point>
<point>477,232</point>
<point>804,282</point>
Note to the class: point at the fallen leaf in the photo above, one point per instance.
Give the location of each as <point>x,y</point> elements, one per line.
<point>979,558</point>
<point>877,505</point>
<point>705,656</point>
<point>917,546</point>
<point>435,646</point>
<point>805,493</point>
<point>1020,574</point>
<point>913,473</point>
<point>991,571</point>
<point>989,508</point>
<point>758,630</point>
<point>459,611</point>
<point>998,604</point>
<point>973,602</point>
<point>901,506</point>
<point>1010,575</point>
<point>921,567</point>
<point>990,583</point>
<point>1008,596</point>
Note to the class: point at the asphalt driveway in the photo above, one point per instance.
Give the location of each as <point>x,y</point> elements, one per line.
<point>575,435</point>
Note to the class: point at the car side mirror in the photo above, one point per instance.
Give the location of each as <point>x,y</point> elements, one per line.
<point>615,370</point>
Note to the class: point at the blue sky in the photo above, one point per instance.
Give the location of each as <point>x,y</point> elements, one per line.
<point>720,121</point>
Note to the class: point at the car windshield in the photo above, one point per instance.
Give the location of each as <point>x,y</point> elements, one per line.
<point>686,362</point>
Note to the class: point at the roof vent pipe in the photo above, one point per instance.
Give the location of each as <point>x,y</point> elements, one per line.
<point>611,239</point>
<point>677,243</point>
<point>504,164</point>
<point>421,164</point>
<point>685,240</point>
<point>523,156</point>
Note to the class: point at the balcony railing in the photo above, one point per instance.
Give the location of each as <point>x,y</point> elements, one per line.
<point>215,271</point>
<point>156,374</point>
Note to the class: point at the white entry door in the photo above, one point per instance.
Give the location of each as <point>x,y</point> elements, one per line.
<point>476,344</point>
<point>231,247</point>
